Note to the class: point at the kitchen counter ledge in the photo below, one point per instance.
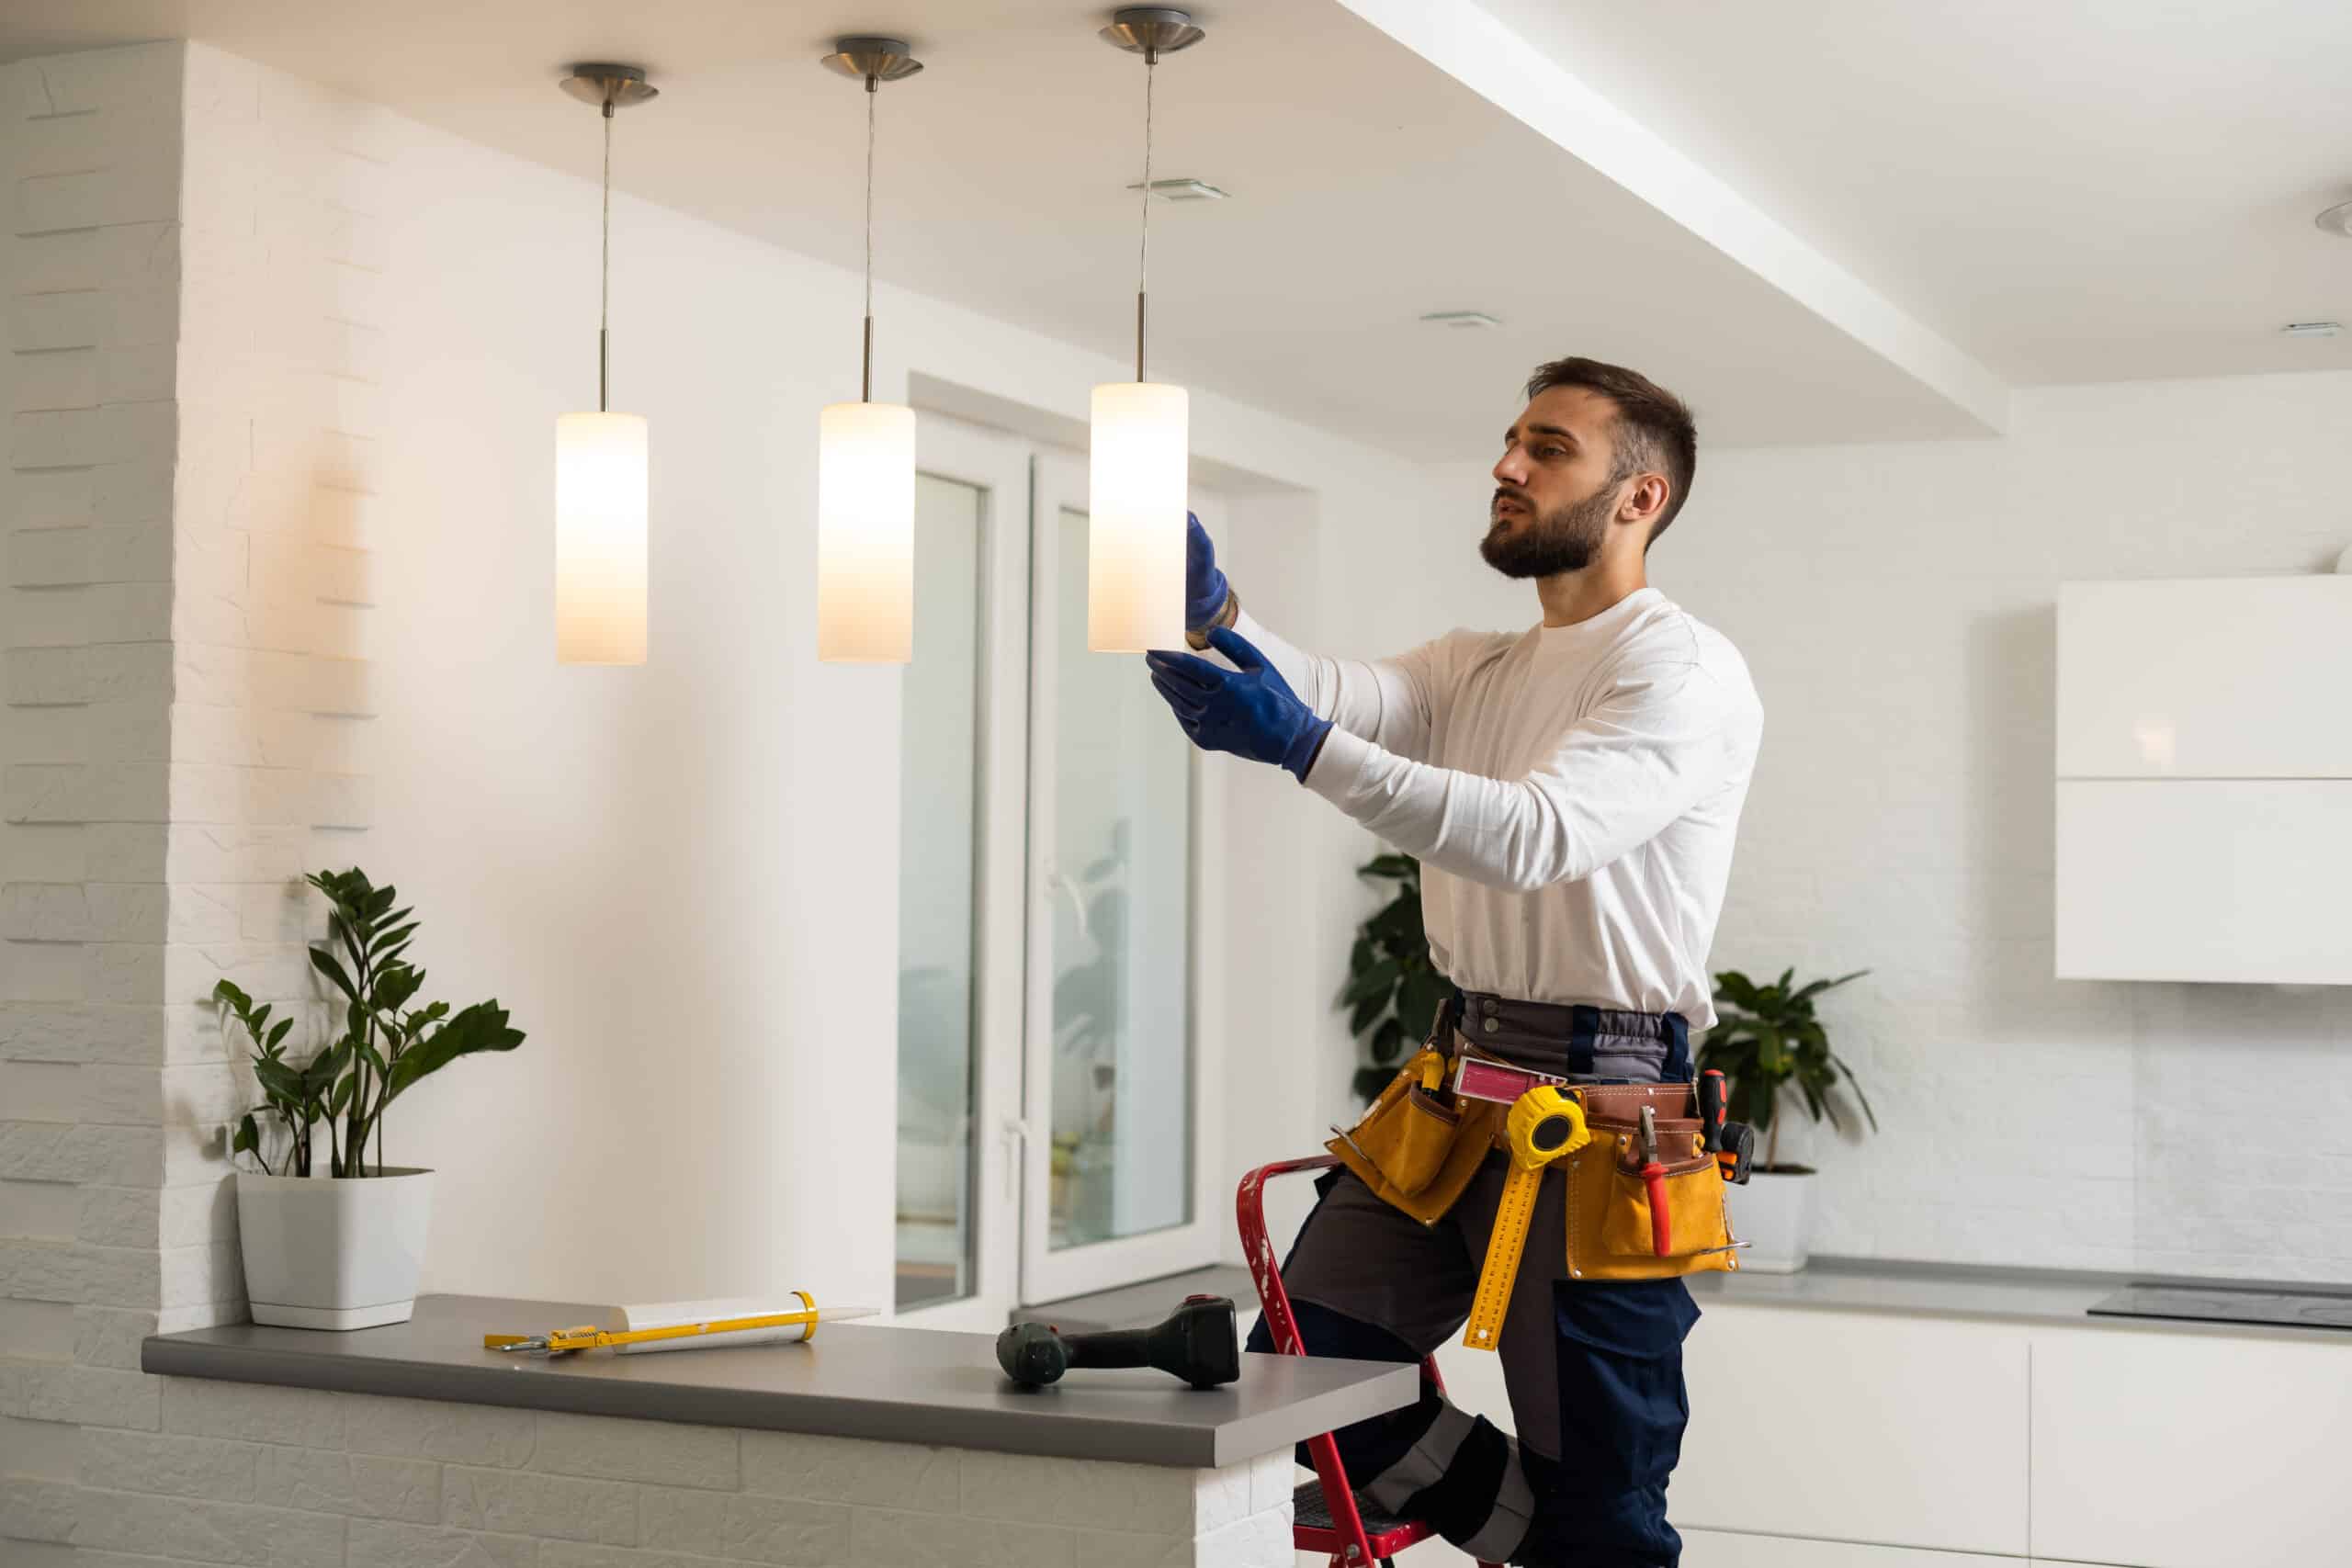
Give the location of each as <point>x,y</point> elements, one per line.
<point>2056,1296</point>
<point>853,1380</point>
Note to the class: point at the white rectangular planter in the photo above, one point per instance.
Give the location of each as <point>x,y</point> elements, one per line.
<point>325,1253</point>
<point>1774,1214</point>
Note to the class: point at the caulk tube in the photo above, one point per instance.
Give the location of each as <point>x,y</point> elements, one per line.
<point>671,1314</point>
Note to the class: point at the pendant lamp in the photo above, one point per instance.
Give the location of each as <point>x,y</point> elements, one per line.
<point>865,456</point>
<point>1139,432</point>
<point>600,470</point>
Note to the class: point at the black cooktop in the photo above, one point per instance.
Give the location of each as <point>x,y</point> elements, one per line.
<point>2232,1304</point>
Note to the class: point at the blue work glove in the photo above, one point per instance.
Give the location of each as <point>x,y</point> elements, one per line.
<point>1204,585</point>
<point>1251,712</point>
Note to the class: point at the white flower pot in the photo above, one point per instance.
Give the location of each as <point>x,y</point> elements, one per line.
<point>1774,1212</point>
<point>322,1253</point>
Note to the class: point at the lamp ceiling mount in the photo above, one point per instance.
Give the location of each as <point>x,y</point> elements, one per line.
<point>1151,30</point>
<point>2337,220</point>
<point>872,60</point>
<point>608,87</point>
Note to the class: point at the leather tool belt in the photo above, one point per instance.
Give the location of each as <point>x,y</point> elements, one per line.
<point>1634,1211</point>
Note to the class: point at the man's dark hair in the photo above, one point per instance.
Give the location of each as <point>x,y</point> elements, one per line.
<point>1654,427</point>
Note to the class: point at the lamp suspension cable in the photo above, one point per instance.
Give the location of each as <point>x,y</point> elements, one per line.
<point>865,383</point>
<point>1143,257</point>
<point>604,266</point>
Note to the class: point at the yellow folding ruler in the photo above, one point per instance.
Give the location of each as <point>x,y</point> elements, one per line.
<point>1543,1125</point>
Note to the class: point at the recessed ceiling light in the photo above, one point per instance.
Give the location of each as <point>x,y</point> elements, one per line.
<point>1184,190</point>
<point>1462,319</point>
<point>2312,329</point>
<point>2337,220</point>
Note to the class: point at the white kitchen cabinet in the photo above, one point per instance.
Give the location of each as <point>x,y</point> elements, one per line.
<point>2204,780</point>
<point>2221,678</point>
<point>2205,879</point>
<point>1856,1426</point>
<point>2191,1451</point>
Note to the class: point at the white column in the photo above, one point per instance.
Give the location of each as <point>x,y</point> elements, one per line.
<point>190,487</point>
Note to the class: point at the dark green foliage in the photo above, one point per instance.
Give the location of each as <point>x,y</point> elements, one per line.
<point>1393,991</point>
<point>383,1050</point>
<point>1766,1039</point>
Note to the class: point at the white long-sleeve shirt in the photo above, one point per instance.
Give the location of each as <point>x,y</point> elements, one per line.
<point>1571,791</point>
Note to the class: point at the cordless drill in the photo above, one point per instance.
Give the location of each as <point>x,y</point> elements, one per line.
<point>1196,1342</point>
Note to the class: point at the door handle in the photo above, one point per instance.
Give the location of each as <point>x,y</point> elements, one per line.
<point>1014,1135</point>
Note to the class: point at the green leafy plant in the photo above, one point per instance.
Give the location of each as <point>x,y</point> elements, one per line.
<point>1767,1040</point>
<point>1393,991</point>
<point>386,1045</point>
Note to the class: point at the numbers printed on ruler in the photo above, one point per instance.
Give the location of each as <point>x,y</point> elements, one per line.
<point>1544,1124</point>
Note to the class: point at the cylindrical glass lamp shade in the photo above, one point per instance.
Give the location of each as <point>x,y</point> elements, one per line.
<point>1137,475</point>
<point>865,533</point>
<point>599,507</point>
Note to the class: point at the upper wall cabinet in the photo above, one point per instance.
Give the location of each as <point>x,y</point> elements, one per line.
<point>2237,678</point>
<point>2204,810</point>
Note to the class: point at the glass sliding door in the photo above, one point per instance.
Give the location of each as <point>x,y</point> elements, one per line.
<point>1052,970</point>
<point>961,882</point>
<point>1114,1081</point>
<point>938,848</point>
<point>1121,1119</point>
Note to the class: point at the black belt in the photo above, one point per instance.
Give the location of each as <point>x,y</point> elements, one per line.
<point>1573,1039</point>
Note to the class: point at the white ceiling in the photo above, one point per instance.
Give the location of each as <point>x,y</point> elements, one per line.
<point>2081,191</point>
<point>1948,184</point>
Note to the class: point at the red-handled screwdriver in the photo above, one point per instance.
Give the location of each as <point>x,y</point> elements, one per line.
<point>1713,1104</point>
<point>1653,1183</point>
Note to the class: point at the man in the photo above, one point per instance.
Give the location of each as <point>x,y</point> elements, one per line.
<point>1572,791</point>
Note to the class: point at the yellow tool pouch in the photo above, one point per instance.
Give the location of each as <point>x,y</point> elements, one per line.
<point>1611,1233</point>
<point>1414,1151</point>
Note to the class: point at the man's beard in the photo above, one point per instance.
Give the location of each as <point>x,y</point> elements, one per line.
<point>1566,540</point>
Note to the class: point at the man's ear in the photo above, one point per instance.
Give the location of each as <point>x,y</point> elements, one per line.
<point>1644,499</point>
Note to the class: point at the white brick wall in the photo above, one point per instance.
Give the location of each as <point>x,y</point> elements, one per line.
<point>283,1478</point>
<point>1897,605</point>
<point>187,262</point>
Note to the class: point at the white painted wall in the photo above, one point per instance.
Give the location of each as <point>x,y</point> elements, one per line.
<point>682,879</point>
<point>1896,604</point>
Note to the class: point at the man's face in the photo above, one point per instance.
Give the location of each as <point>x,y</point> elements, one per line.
<point>1556,486</point>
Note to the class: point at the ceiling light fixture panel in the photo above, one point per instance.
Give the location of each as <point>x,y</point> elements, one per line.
<point>2312,329</point>
<point>1185,190</point>
<point>1462,319</point>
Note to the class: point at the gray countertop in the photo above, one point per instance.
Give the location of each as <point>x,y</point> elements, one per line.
<point>852,1380</point>
<point>2035,1295</point>
<point>1837,1285</point>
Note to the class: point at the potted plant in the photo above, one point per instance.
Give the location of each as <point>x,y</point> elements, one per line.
<point>341,1247</point>
<point>1393,991</point>
<point>1766,1041</point>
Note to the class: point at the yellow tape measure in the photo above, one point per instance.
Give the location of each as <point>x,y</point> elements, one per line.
<point>1543,1125</point>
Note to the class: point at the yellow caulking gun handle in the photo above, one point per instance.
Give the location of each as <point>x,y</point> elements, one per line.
<point>1544,1124</point>
<point>589,1338</point>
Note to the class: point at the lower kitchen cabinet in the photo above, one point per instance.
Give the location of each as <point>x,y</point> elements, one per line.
<point>2192,1450</point>
<point>1857,1426</point>
<point>1817,1435</point>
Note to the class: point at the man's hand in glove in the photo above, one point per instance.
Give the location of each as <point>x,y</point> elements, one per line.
<point>1205,586</point>
<point>1251,712</point>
